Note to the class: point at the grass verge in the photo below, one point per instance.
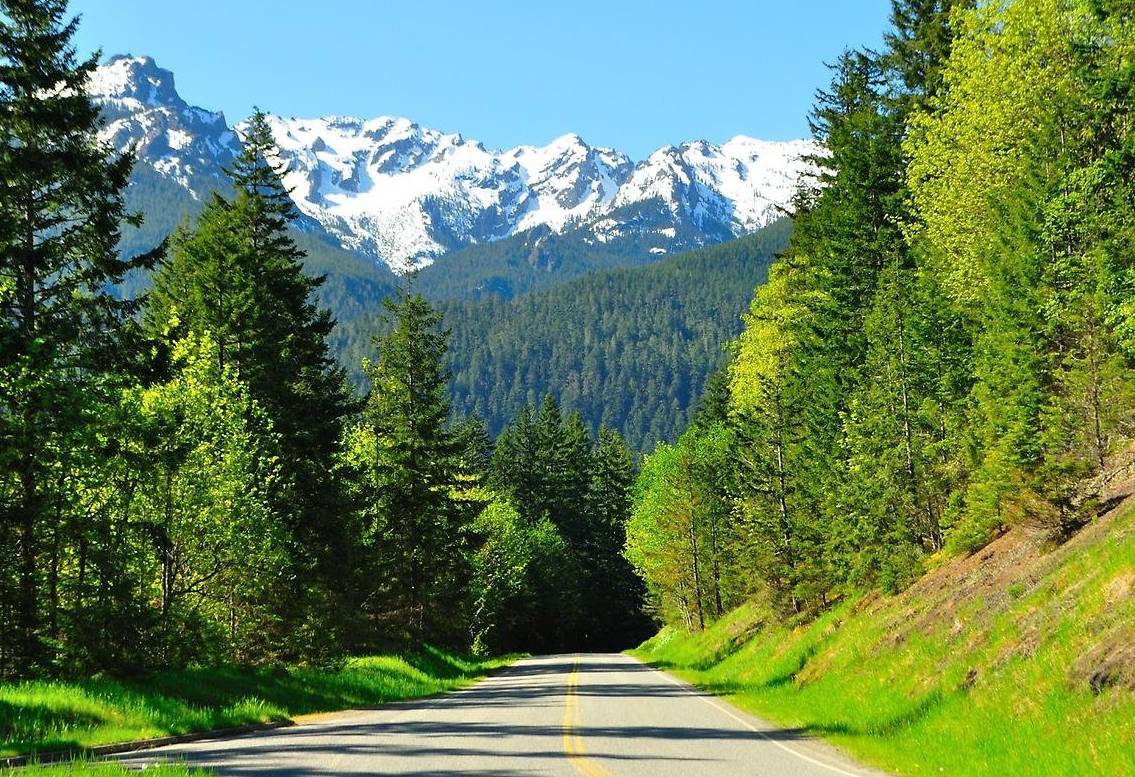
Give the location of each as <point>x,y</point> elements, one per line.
<point>50,716</point>
<point>1017,660</point>
<point>91,769</point>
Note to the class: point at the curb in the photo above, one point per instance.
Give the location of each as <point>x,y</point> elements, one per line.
<point>55,756</point>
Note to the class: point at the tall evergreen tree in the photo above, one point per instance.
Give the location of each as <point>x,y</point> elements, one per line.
<point>238,275</point>
<point>418,478</point>
<point>918,47</point>
<point>614,594</point>
<point>514,467</point>
<point>62,332</point>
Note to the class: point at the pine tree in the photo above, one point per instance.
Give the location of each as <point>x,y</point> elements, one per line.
<point>417,469</point>
<point>918,47</point>
<point>515,469</point>
<point>614,594</point>
<point>62,332</point>
<point>571,450</point>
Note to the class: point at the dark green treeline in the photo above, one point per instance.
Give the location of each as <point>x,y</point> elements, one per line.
<point>629,348</point>
<point>944,351</point>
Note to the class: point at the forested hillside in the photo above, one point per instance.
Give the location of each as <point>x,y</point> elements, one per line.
<point>543,259</point>
<point>533,260</point>
<point>630,348</point>
<point>894,521</point>
<point>945,349</point>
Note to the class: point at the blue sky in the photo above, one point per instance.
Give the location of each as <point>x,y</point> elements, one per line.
<point>623,73</point>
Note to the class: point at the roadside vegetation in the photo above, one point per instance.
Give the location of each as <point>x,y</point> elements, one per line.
<point>1012,661</point>
<point>44,716</point>
<point>893,520</point>
<point>90,769</point>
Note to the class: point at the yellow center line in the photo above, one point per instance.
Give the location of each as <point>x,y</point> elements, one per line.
<point>573,744</point>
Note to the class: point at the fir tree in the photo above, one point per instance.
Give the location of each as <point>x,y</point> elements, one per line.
<point>238,275</point>
<point>417,471</point>
<point>62,332</point>
<point>615,594</point>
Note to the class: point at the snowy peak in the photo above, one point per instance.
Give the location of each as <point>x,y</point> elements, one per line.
<point>143,111</point>
<point>568,179</point>
<point>741,185</point>
<point>407,195</point>
<point>136,81</point>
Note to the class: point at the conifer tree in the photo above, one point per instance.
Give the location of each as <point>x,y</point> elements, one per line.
<point>918,47</point>
<point>514,467</point>
<point>417,472</point>
<point>614,594</point>
<point>62,331</point>
<point>571,449</point>
<point>238,276</point>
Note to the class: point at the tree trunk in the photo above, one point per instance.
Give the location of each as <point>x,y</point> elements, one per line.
<point>28,508</point>
<point>697,571</point>
<point>782,506</point>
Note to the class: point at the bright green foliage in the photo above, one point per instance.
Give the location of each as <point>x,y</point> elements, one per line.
<point>784,423</point>
<point>206,473</point>
<point>103,769</point>
<point>1009,84</point>
<point>168,514</point>
<point>1027,249</point>
<point>679,534</point>
<point>517,573</point>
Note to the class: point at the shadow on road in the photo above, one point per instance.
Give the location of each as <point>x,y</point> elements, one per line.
<point>419,732</point>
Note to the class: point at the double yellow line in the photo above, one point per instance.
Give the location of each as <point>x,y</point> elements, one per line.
<point>573,744</point>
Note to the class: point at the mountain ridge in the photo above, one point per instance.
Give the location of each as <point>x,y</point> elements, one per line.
<point>406,195</point>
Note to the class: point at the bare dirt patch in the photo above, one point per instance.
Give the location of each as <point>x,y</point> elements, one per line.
<point>1109,664</point>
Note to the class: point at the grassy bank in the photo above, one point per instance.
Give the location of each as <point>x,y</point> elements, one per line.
<point>87,769</point>
<point>1017,660</point>
<point>46,716</point>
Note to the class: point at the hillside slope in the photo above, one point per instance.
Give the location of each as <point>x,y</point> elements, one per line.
<point>1019,659</point>
<point>630,347</point>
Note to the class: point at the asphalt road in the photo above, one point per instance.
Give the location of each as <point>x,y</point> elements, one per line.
<point>596,715</point>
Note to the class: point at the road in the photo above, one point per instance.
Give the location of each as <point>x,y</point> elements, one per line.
<point>595,715</point>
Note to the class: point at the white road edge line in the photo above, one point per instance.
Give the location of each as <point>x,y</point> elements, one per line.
<point>693,691</point>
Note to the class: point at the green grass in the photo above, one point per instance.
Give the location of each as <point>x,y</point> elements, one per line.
<point>984,667</point>
<point>48,716</point>
<point>90,769</point>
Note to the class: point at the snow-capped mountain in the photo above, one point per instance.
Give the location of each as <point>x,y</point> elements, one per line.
<point>407,195</point>
<point>143,109</point>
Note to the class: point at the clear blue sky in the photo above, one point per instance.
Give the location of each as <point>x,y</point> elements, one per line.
<point>631,74</point>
